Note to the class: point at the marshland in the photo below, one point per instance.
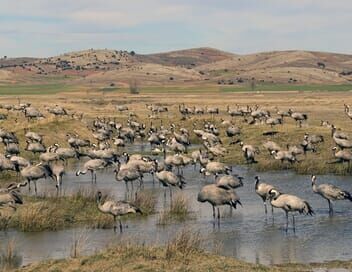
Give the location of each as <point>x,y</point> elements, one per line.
<point>166,218</point>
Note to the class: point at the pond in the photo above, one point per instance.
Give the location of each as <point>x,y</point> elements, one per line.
<point>248,234</point>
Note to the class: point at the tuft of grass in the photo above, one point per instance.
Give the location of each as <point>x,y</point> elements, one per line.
<point>79,242</point>
<point>54,213</point>
<point>185,243</point>
<point>146,201</point>
<point>9,259</point>
<point>179,210</point>
<point>48,212</point>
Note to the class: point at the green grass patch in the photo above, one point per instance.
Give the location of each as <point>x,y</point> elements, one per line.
<point>287,87</point>
<point>17,89</point>
<point>179,89</point>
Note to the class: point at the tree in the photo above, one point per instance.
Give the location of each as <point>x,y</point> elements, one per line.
<point>134,89</point>
<point>253,84</point>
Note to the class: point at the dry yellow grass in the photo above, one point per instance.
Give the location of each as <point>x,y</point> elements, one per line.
<point>318,106</point>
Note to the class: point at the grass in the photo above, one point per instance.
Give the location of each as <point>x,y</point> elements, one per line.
<point>328,106</point>
<point>146,201</point>
<point>178,89</point>
<point>54,87</point>
<point>40,89</point>
<point>80,240</point>
<point>288,133</point>
<point>54,213</point>
<point>179,210</point>
<point>9,259</point>
<point>288,87</point>
<point>182,253</point>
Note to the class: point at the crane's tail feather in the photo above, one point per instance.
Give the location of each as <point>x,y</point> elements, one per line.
<point>308,209</point>
<point>138,210</point>
<point>80,173</point>
<point>235,202</point>
<point>347,195</point>
<point>17,198</point>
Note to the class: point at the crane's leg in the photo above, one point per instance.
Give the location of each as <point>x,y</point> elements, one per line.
<point>219,214</point>
<point>294,224</point>
<point>95,177</point>
<point>115,223</point>
<point>286,221</point>
<point>120,225</point>
<point>272,210</point>
<point>331,211</point>
<point>213,212</point>
<point>60,182</point>
<point>35,187</point>
<point>92,176</point>
<point>265,208</point>
<point>170,194</point>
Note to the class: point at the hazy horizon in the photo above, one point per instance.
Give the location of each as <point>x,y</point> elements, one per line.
<point>180,49</point>
<point>38,28</point>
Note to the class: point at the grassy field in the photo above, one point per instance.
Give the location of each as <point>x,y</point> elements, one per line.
<point>40,89</point>
<point>242,88</point>
<point>56,87</point>
<point>288,87</point>
<point>318,105</point>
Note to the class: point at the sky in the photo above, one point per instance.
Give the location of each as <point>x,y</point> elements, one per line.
<point>42,28</point>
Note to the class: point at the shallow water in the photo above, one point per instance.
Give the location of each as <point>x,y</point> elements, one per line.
<point>248,234</point>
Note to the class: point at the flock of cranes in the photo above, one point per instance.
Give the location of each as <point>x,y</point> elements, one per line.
<point>170,152</point>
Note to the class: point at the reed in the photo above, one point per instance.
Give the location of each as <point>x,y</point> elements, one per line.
<point>179,210</point>
<point>9,258</point>
<point>146,201</point>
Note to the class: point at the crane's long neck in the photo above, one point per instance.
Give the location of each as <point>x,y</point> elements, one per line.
<point>256,183</point>
<point>314,186</point>
<point>99,202</point>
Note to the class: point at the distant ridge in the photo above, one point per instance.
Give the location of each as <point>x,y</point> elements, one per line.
<point>188,66</point>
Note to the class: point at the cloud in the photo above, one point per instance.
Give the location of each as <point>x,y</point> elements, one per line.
<point>148,26</point>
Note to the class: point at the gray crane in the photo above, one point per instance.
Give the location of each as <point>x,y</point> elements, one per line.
<point>116,209</point>
<point>289,203</point>
<point>330,192</point>
<point>218,196</point>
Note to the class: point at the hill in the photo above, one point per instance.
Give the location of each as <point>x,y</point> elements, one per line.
<point>191,66</point>
<point>283,67</point>
<point>187,58</point>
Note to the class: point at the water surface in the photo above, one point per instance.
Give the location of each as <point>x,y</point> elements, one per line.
<point>248,234</point>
